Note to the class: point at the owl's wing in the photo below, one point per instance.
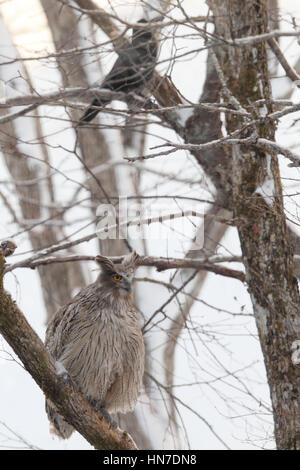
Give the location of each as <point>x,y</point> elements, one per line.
<point>59,326</point>
<point>65,325</point>
<point>54,332</point>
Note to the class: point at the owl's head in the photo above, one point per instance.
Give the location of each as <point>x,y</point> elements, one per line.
<point>118,277</point>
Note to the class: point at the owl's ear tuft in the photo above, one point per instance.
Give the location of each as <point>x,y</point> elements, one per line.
<point>130,261</point>
<point>106,264</point>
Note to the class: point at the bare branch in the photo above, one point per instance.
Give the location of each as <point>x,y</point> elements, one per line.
<point>161,264</point>
<point>289,70</point>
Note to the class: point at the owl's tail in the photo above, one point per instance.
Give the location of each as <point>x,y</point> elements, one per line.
<point>59,426</point>
<point>92,110</point>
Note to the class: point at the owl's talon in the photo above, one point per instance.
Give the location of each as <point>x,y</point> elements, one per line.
<point>106,416</point>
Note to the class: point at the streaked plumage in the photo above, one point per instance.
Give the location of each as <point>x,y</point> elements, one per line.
<point>97,338</point>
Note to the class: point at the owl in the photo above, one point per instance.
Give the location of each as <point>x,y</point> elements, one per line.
<point>97,339</point>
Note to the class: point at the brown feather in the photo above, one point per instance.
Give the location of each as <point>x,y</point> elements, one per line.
<point>105,263</point>
<point>97,338</point>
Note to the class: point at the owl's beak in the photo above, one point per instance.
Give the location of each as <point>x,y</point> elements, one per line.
<point>127,285</point>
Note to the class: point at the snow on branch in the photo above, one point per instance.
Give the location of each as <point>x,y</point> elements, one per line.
<point>251,40</point>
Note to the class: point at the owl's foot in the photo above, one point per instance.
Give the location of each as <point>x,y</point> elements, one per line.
<point>105,414</point>
<point>108,418</point>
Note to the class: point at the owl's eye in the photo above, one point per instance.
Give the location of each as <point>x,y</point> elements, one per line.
<point>117,277</point>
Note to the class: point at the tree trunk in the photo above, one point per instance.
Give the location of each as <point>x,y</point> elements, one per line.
<point>265,243</point>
